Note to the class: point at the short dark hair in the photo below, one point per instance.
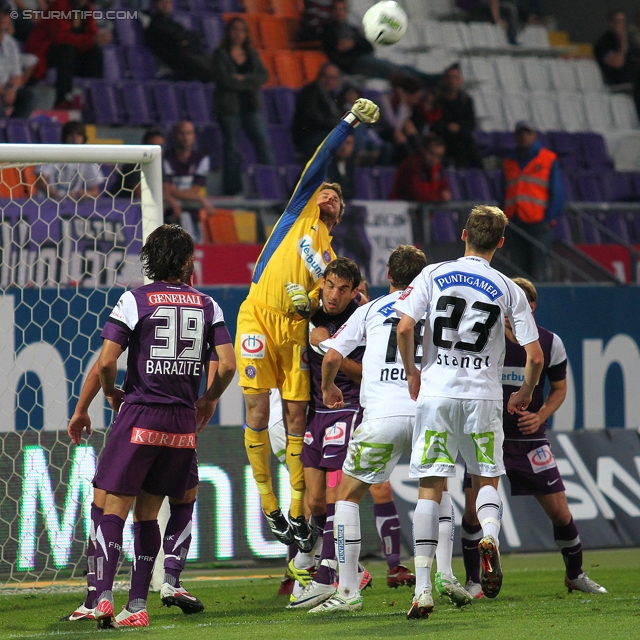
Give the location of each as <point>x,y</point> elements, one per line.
<point>167,254</point>
<point>345,269</point>
<point>405,263</point>
<point>485,227</point>
<point>334,186</point>
<point>528,288</point>
<point>410,84</point>
<point>153,132</point>
<point>71,127</point>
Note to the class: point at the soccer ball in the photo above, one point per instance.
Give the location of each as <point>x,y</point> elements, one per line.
<point>385,23</point>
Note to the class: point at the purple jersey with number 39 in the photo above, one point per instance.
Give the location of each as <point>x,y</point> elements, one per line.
<point>169,330</point>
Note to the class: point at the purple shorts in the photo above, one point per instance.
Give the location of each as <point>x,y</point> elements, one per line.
<point>150,448</point>
<point>327,438</point>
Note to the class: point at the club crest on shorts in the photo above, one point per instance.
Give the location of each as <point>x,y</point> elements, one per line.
<point>335,435</point>
<point>250,371</point>
<point>541,459</point>
<point>304,359</point>
<point>252,345</point>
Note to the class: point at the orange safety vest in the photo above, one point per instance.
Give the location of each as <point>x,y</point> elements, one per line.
<point>527,190</point>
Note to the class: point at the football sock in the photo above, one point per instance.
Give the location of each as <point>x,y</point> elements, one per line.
<point>296,474</point>
<point>568,540</point>
<point>446,529</point>
<point>489,508</point>
<point>348,543</point>
<point>388,526</point>
<point>258,450</point>
<point>96,514</point>
<point>108,547</point>
<point>177,540</point>
<point>303,560</point>
<point>146,544</point>
<point>316,553</point>
<point>470,537</point>
<point>425,540</point>
<point>326,574</point>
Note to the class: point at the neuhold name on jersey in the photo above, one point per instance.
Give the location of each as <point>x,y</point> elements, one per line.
<point>463,362</point>
<point>392,373</point>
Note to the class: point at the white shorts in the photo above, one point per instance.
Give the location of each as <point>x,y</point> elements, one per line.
<point>376,446</point>
<point>445,426</point>
<point>278,440</point>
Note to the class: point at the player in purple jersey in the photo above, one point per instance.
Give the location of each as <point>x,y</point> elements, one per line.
<point>169,329</point>
<point>528,460</point>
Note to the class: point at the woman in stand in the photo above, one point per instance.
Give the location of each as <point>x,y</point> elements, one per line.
<point>239,74</point>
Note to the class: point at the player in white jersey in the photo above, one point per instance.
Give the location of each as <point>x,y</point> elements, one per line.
<point>459,391</point>
<point>376,445</point>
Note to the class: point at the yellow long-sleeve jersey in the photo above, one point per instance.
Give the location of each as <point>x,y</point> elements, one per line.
<point>299,247</point>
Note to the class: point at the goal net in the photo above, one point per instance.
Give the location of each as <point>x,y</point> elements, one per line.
<point>73,220</point>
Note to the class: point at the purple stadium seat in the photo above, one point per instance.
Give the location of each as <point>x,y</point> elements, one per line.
<point>194,101</point>
<point>633,221</point>
<point>594,151</point>
<point>268,182</point>
<point>209,140</point>
<point>386,178</point>
<point>112,68</point>
<point>137,110</point>
<point>229,6</point>
<point>543,138</point>
<point>455,184</point>
<point>140,63</point>
<point>269,106</point>
<point>165,101</point>
<point>618,222</point>
<point>184,19</point>
<point>589,187</point>
<point>486,142</point>
<point>19,132</point>
<point>564,143</point>
<point>569,184</point>
<point>212,29</point>
<point>247,151</point>
<point>572,163</point>
<point>104,101</point>
<point>476,183</point>
<point>505,141</point>
<point>49,132</point>
<point>284,100</point>
<point>128,33</point>
<point>292,173</point>
<point>561,231</point>
<point>282,144</point>
<point>444,227</point>
<point>495,177</point>
<point>589,232</point>
<point>616,186</point>
<point>366,184</point>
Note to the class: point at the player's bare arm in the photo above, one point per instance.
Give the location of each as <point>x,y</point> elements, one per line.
<point>318,335</point>
<point>206,404</point>
<point>80,419</point>
<point>108,371</point>
<point>352,369</point>
<point>406,347</point>
<point>520,400</point>
<point>331,394</point>
<point>529,423</point>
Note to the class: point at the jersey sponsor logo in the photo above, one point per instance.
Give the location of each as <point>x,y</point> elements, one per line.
<point>308,437</point>
<point>406,293</point>
<point>372,457</point>
<point>304,359</point>
<point>312,259</point>
<point>512,376</point>
<point>485,446</point>
<point>162,439</point>
<point>335,435</point>
<point>183,299</point>
<point>473,280</point>
<point>387,310</point>
<point>541,459</point>
<point>250,371</point>
<point>435,448</point>
<point>252,345</point>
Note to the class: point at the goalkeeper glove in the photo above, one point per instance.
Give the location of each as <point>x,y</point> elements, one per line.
<point>299,298</point>
<point>365,110</point>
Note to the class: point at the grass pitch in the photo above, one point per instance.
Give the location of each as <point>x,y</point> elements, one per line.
<point>533,603</point>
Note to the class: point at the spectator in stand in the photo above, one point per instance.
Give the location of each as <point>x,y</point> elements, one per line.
<point>317,111</point>
<point>504,13</point>
<point>458,121</point>
<point>396,112</point>
<point>428,112</point>
<point>185,177</point>
<point>617,63</point>
<point>346,46</point>
<point>420,177</point>
<point>533,200</point>
<point>73,45</point>
<point>239,74</point>
<point>342,168</point>
<point>76,180</point>
<point>24,26</point>
<point>15,98</point>
<point>180,49</point>
<point>315,16</point>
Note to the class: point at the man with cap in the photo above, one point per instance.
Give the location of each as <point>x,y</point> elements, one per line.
<point>533,200</point>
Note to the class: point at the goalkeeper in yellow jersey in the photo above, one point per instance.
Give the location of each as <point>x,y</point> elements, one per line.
<point>271,338</point>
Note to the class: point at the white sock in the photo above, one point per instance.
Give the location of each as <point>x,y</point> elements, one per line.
<point>303,560</point>
<point>346,532</point>
<point>444,550</point>
<point>489,509</point>
<point>425,541</point>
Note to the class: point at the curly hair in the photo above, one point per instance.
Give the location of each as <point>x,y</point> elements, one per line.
<point>168,254</point>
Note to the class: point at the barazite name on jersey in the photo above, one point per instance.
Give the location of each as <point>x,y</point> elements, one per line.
<point>174,367</point>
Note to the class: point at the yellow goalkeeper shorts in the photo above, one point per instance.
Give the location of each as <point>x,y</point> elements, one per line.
<point>271,351</point>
